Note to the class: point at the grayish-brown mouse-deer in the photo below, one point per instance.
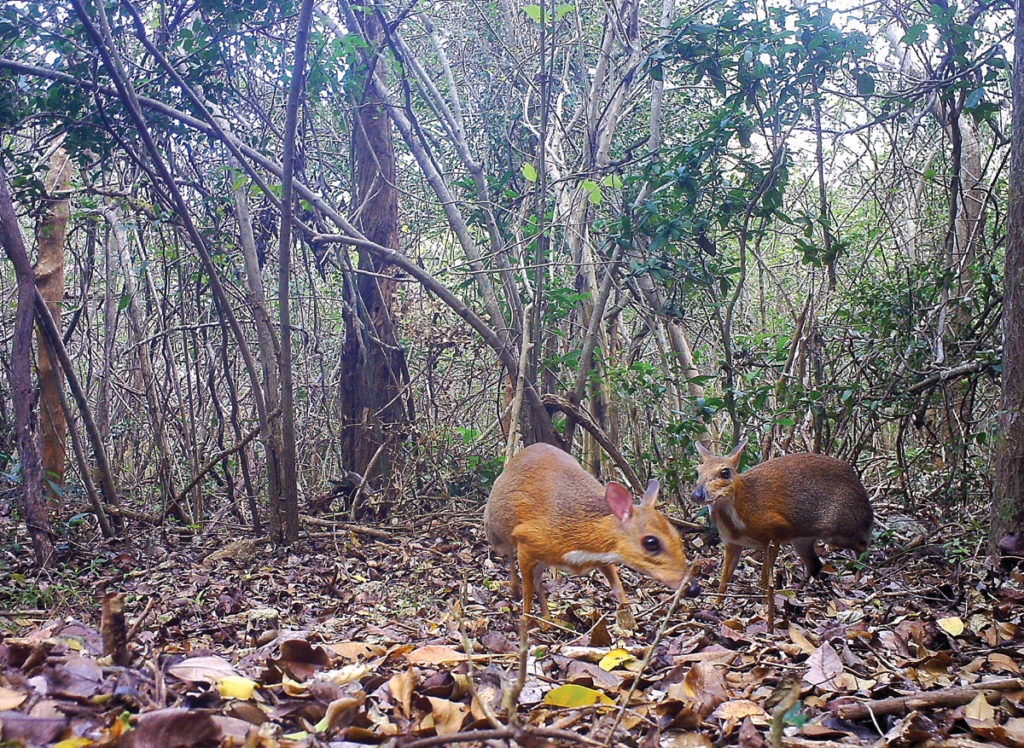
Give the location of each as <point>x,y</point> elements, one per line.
<point>546,510</point>
<point>797,499</point>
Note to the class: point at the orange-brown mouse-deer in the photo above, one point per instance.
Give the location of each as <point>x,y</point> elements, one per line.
<point>546,510</point>
<point>797,499</point>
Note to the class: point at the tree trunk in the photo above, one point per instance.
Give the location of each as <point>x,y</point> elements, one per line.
<point>156,415</point>
<point>33,506</point>
<point>49,271</point>
<point>373,367</point>
<point>285,513</point>
<point>1007,530</point>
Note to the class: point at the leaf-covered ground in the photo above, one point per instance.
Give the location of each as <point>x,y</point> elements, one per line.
<point>408,637</point>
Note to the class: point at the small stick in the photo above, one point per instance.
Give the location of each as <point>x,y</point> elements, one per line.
<point>680,591</point>
<point>507,733</point>
<point>114,629</point>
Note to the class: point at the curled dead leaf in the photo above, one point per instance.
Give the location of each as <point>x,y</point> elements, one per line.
<point>446,716</point>
<point>207,669</point>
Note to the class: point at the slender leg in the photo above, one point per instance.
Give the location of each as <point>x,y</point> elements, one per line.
<point>517,589</point>
<point>768,580</point>
<point>624,616</point>
<point>804,548</point>
<point>732,558</point>
<point>527,566</point>
<point>612,575</point>
<point>538,585</point>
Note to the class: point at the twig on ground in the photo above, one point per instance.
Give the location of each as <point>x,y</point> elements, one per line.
<point>942,698</point>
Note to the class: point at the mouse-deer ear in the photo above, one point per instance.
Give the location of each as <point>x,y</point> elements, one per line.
<point>620,500</point>
<point>704,452</point>
<point>734,456</point>
<point>651,494</point>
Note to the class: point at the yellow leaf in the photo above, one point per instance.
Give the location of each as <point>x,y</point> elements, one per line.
<point>573,696</point>
<point>293,688</point>
<point>614,658</point>
<point>236,687</point>
<point>74,743</point>
<point>952,626</point>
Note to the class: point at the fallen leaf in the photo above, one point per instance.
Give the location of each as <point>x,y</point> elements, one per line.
<point>208,669</point>
<point>434,654</point>
<point>739,709</point>
<point>686,740</point>
<point>401,686</point>
<point>345,675</point>
<point>614,658</point>
<point>356,650</point>
<point>10,699</point>
<point>173,728</point>
<point>572,695</point>
<point>800,639</point>
<point>448,716</point>
<point>823,667</point>
<point>340,713</point>
<point>236,687</point>
<point>952,625</point>
<point>979,709</point>
<point>1009,734</point>
<point>30,729</point>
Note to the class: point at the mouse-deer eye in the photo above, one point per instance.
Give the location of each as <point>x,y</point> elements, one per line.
<point>725,473</point>
<point>651,544</point>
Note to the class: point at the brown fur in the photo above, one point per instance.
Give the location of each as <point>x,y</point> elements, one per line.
<point>545,505</point>
<point>798,499</point>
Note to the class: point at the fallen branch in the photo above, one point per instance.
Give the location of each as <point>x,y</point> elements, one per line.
<point>373,532</point>
<point>943,698</point>
<point>519,734</point>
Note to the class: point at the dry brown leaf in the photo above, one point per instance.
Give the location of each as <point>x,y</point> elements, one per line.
<point>1002,661</point>
<point>401,686</point>
<point>447,716</point>
<point>30,729</point>
<point>824,665</point>
<point>685,740</point>
<point>979,709</point>
<point>206,669</point>
<point>300,659</point>
<point>739,709</point>
<point>434,654</point>
<point>10,699</point>
<point>799,638</point>
<point>356,650</point>
<point>173,728</point>
<point>1010,734</point>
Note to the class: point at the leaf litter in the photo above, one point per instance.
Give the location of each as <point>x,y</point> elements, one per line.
<point>410,638</point>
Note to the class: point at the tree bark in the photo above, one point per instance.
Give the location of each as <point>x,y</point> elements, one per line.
<point>165,462</point>
<point>49,272</point>
<point>373,367</point>
<point>1007,529</point>
<point>285,513</point>
<point>33,506</point>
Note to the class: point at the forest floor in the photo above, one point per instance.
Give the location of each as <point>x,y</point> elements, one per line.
<point>405,636</point>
